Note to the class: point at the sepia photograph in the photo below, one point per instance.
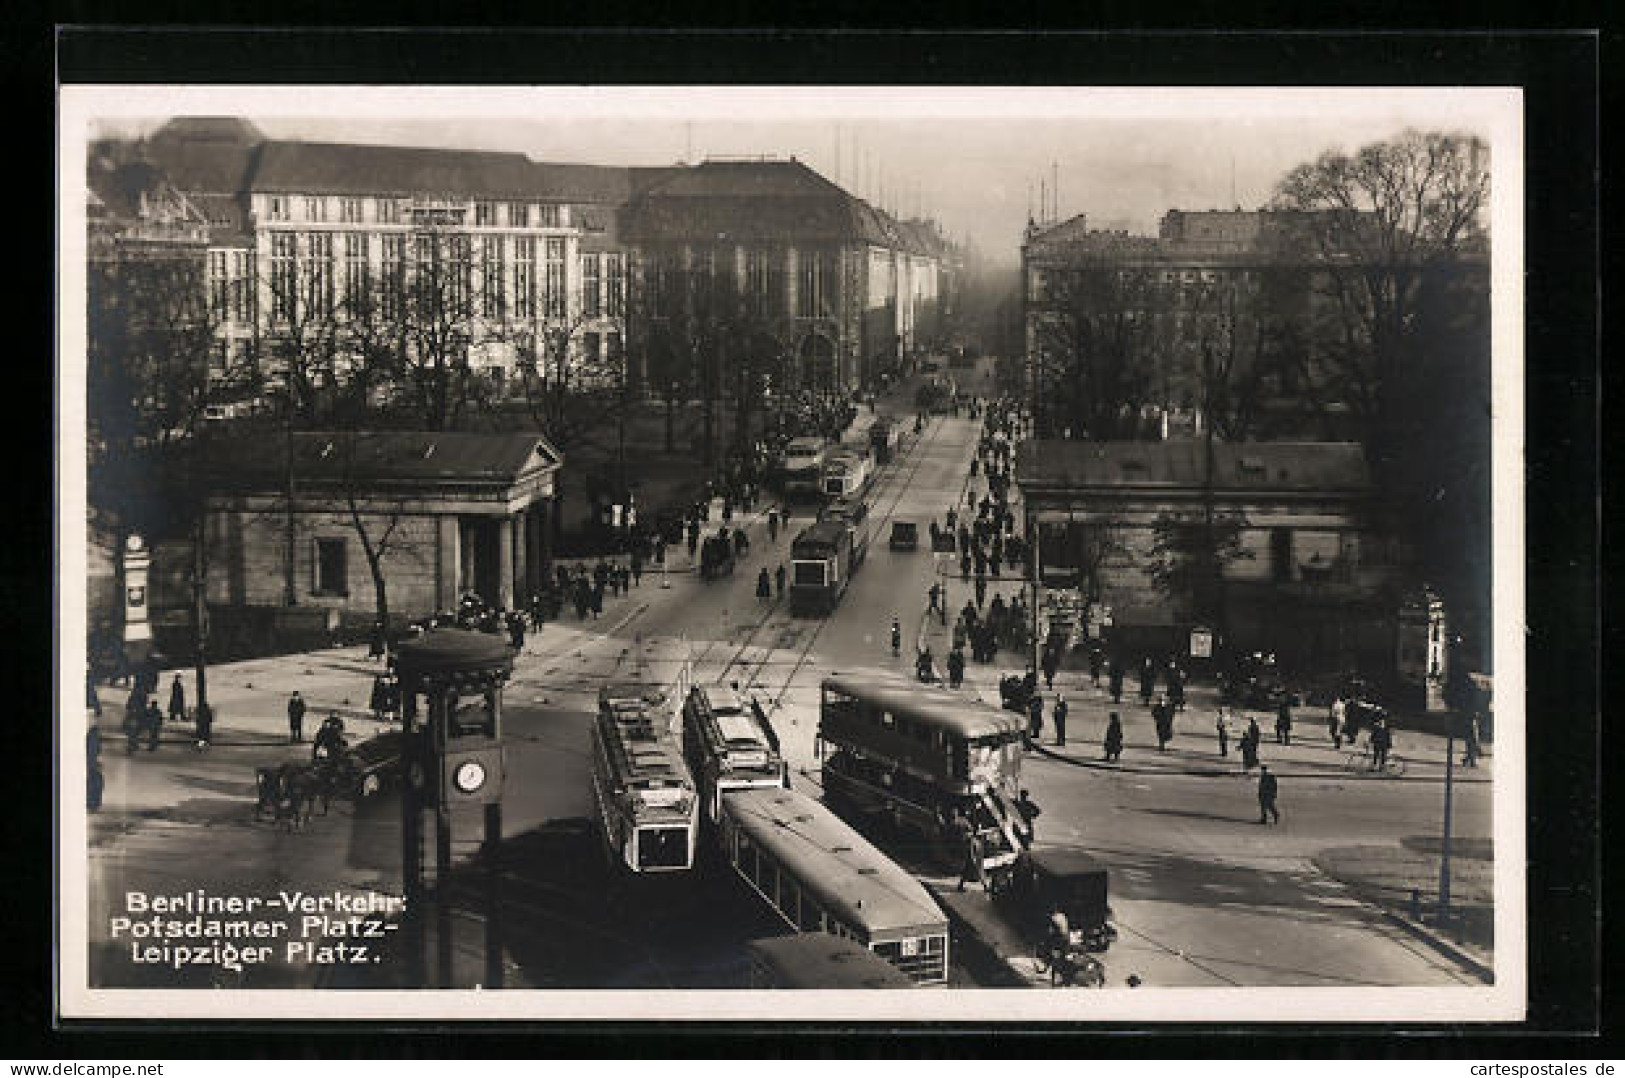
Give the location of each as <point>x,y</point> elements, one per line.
<point>791,553</point>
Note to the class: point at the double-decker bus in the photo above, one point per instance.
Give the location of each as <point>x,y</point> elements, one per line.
<point>803,466</point>
<point>917,755</point>
<point>730,745</point>
<point>848,471</point>
<point>820,875</point>
<point>648,809</point>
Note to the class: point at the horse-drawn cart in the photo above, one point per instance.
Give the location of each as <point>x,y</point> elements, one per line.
<point>288,793</point>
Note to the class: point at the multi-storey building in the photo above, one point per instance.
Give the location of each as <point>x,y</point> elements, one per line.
<point>548,261</point>
<point>841,291</point>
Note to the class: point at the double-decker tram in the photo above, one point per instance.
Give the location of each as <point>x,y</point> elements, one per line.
<point>917,756</point>
<point>730,745</point>
<point>848,471</point>
<point>648,809</point>
<point>883,439</point>
<point>820,875</point>
<point>803,466</point>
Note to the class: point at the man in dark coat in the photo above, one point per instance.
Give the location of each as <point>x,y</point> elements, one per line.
<point>1094,666</point>
<point>1283,724</point>
<point>956,668</point>
<point>1148,681</point>
<point>1382,741</point>
<point>1035,719</point>
<point>296,717</point>
<point>177,700</point>
<point>153,725</point>
<point>970,845</point>
<point>1114,738</point>
<point>1058,715</point>
<point>1116,681</point>
<point>778,581</point>
<point>1267,812</point>
<point>1162,714</point>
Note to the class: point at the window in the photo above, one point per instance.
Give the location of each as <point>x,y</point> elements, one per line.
<point>321,272</point>
<point>350,210</point>
<point>614,286</point>
<point>518,215</point>
<point>332,567</point>
<point>242,287</point>
<point>485,214</point>
<point>756,291</point>
<point>217,284</point>
<point>284,265</point>
<point>315,208</point>
<point>279,208</point>
<point>590,305</point>
<point>524,277</point>
<point>491,271</point>
<point>815,298</point>
<point>547,215</point>
<point>389,211</point>
<point>355,271</point>
<point>589,347</point>
<point>553,280</point>
<point>459,274</point>
<point>394,251</point>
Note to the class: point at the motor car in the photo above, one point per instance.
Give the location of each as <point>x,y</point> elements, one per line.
<point>1254,681</point>
<point>905,535</point>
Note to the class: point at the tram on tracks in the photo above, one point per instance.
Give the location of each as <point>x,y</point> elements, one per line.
<point>648,808</point>
<point>883,436</point>
<point>915,756</point>
<point>730,745</point>
<point>848,471</point>
<point>826,554</point>
<point>819,875</point>
<point>818,960</point>
<point>803,466</point>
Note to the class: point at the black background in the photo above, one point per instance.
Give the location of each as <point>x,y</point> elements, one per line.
<point>1559,72</point>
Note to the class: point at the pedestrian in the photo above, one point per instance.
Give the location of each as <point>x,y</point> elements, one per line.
<point>375,641</point>
<point>956,668</point>
<point>583,597</point>
<point>764,586</point>
<point>1176,686</point>
<point>1029,811</point>
<point>205,725</point>
<point>637,568</point>
<point>970,845</point>
<point>296,717</point>
<point>92,701</point>
<point>1474,746</point>
<point>1162,715</point>
<point>1059,717</point>
<point>379,700</point>
<point>1051,661</point>
<point>934,594</point>
<point>153,724</point>
<point>1116,681</point>
<point>598,599</point>
<point>1094,667</point>
<point>177,700</point>
<point>981,590</point>
<point>778,580</point>
<point>1221,726</point>
<point>1249,746</point>
<point>1334,721</point>
<point>1267,812</point>
<point>1382,742</point>
<point>1148,678</point>
<point>1283,723</point>
<point>1114,737</point>
<point>1035,719</point>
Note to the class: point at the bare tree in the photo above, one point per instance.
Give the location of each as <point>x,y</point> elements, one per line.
<point>1100,338</point>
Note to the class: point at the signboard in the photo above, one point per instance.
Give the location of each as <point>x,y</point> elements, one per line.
<point>1201,643</point>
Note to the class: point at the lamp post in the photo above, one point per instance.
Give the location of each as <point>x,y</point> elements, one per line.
<point>1444,853</point>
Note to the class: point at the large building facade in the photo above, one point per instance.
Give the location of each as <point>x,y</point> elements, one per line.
<point>540,263</point>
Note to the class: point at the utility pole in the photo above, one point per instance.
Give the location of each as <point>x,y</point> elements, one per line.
<point>1444,858</point>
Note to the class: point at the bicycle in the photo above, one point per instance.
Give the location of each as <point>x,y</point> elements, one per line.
<point>1362,760</point>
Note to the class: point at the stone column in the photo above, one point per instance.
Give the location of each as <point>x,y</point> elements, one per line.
<point>447,563</point>
<point>535,532</point>
<point>521,578</point>
<point>505,563</point>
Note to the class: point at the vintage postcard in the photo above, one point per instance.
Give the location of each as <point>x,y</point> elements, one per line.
<point>878,554</point>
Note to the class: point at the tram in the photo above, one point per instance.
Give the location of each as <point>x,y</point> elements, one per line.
<point>848,471</point>
<point>883,439</point>
<point>820,875</point>
<point>803,466</point>
<point>648,809</point>
<point>818,960</point>
<point>916,755</point>
<point>730,745</point>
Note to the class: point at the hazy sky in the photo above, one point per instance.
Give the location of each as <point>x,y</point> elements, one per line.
<point>973,159</point>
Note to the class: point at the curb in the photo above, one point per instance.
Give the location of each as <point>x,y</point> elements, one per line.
<point>1217,772</point>
<point>1440,944</point>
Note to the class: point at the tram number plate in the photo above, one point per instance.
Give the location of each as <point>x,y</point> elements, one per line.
<point>911,948</point>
